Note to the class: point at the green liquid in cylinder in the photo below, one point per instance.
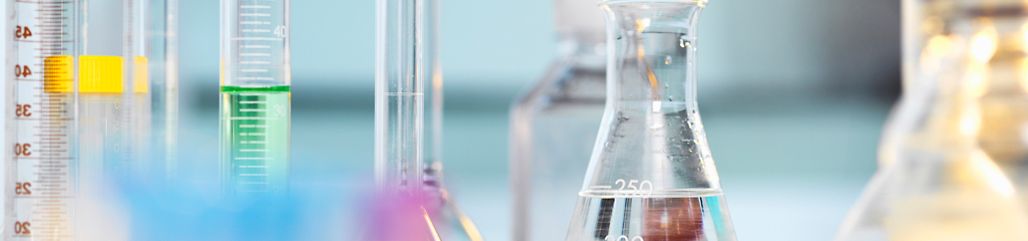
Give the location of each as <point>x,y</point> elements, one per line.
<point>255,138</point>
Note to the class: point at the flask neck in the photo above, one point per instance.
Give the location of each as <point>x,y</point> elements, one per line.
<point>652,54</point>
<point>969,74</point>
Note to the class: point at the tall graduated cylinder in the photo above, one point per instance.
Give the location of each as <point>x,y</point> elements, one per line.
<point>38,189</point>
<point>255,95</point>
<point>75,59</point>
<point>651,176</point>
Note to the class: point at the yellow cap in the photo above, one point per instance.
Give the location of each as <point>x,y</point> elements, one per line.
<point>97,74</point>
<point>141,82</point>
<point>57,74</point>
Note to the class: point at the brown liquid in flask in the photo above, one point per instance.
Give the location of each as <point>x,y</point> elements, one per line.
<point>673,219</point>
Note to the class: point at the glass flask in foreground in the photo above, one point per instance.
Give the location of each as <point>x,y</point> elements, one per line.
<point>553,125</point>
<point>956,139</point>
<point>651,176</point>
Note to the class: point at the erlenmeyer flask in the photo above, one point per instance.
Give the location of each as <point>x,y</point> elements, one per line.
<point>553,125</point>
<point>945,179</point>
<point>651,176</point>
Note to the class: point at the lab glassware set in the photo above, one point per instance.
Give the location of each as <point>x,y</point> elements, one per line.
<point>608,145</point>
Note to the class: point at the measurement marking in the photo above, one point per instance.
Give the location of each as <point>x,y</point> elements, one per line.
<point>255,54</point>
<point>256,78</point>
<point>253,183</point>
<point>254,70</point>
<point>251,158</point>
<point>257,39</point>
<point>255,62</point>
<point>245,118</point>
<point>256,30</point>
<point>255,14</point>
<point>600,187</point>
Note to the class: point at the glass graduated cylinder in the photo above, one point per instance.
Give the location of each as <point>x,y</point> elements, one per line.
<point>255,130</point>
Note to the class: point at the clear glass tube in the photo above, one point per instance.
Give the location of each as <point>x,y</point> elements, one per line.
<point>255,87</point>
<point>553,124</point>
<point>408,175</point>
<point>447,218</point>
<point>651,176</point>
<point>399,94</point>
<point>114,112</point>
<point>82,116</point>
<point>41,127</point>
<point>163,74</point>
<point>954,149</point>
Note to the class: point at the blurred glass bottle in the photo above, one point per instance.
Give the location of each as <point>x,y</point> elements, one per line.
<point>554,123</point>
<point>917,29</point>
<point>955,148</point>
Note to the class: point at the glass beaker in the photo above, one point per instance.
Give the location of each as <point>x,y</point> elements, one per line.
<point>553,125</point>
<point>651,176</point>
<point>954,150</point>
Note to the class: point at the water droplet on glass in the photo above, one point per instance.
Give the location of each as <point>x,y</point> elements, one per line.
<point>618,37</point>
<point>667,60</point>
<point>682,42</point>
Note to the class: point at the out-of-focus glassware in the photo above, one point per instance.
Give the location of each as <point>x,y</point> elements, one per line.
<point>411,195</point>
<point>954,150</point>
<point>82,117</point>
<point>448,220</point>
<point>919,27</point>
<point>41,130</point>
<point>554,123</point>
<point>162,40</point>
<point>651,176</point>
